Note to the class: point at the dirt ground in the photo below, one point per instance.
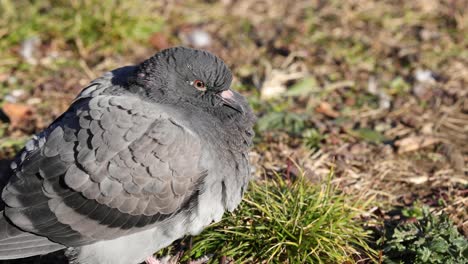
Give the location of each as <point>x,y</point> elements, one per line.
<point>375,91</point>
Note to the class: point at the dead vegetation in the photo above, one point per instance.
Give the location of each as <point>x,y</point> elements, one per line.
<point>375,90</point>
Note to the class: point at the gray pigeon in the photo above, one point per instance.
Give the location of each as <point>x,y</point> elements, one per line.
<point>144,155</point>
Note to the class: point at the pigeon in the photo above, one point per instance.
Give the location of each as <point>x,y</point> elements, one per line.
<point>144,155</point>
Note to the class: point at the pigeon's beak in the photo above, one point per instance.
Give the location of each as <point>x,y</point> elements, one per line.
<point>232,100</point>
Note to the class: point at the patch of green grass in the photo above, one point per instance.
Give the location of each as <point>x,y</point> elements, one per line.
<point>16,143</point>
<point>312,138</point>
<point>399,86</point>
<point>304,87</point>
<point>285,121</point>
<point>426,239</point>
<point>68,33</point>
<point>89,24</point>
<point>368,135</point>
<point>288,222</point>
<point>9,145</point>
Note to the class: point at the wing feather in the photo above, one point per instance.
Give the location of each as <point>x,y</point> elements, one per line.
<point>111,165</point>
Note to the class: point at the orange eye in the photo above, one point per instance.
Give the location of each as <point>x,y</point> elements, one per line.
<point>200,85</point>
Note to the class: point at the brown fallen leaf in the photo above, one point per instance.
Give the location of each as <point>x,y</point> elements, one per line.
<point>413,143</point>
<point>18,114</point>
<point>326,109</point>
<point>350,101</point>
<point>159,41</point>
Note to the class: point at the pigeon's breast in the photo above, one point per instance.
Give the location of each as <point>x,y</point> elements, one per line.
<point>222,189</point>
<point>227,170</point>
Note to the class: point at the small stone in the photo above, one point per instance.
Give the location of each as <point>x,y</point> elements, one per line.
<point>29,49</point>
<point>424,76</point>
<point>34,101</point>
<point>199,38</point>
<point>18,93</point>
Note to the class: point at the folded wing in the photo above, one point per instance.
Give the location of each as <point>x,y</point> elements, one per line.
<point>110,166</point>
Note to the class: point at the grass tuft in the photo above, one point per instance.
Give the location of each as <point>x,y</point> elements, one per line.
<point>288,222</point>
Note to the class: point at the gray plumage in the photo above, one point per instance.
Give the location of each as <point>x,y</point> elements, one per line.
<point>142,157</point>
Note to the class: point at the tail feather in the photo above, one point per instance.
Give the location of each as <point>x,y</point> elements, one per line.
<point>15,243</point>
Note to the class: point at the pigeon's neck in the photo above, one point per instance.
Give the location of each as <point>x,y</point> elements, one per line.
<point>238,131</point>
<point>241,140</point>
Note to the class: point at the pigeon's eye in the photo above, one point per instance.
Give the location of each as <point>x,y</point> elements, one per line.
<point>200,85</point>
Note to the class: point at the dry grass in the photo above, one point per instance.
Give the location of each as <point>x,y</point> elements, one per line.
<point>376,90</point>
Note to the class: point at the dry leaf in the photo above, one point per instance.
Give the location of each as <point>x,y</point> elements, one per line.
<point>414,143</point>
<point>326,109</point>
<point>275,83</point>
<point>159,41</point>
<point>17,113</point>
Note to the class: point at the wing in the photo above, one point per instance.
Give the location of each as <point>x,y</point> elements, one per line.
<point>111,165</point>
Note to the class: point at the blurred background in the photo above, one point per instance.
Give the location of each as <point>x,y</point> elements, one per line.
<point>374,91</point>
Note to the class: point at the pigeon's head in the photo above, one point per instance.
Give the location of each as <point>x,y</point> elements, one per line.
<point>191,76</point>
